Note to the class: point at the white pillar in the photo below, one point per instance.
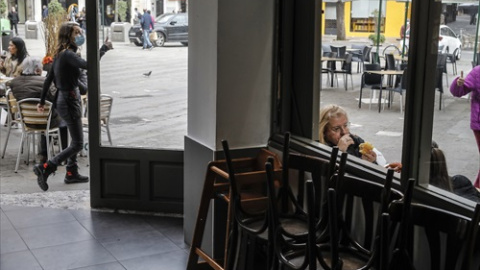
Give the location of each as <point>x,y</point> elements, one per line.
<point>229,86</point>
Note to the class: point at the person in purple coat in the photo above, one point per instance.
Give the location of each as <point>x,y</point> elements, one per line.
<point>470,84</point>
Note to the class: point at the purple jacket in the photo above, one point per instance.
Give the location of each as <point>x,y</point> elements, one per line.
<point>472,84</point>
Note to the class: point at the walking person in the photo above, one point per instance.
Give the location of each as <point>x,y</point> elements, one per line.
<point>147,23</point>
<point>65,72</point>
<point>13,17</point>
<point>470,84</point>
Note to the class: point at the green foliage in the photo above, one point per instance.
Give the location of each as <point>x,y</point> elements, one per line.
<point>122,10</point>
<point>3,8</point>
<point>54,7</point>
<point>56,17</point>
<point>374,37</point>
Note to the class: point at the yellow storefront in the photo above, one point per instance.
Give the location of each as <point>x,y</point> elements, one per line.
<point>360,18</point>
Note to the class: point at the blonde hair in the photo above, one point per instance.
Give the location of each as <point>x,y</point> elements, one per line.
<point>328,112</point>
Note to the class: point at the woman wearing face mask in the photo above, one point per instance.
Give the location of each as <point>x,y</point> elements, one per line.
<point>66,69</point>
<point>12,65</point>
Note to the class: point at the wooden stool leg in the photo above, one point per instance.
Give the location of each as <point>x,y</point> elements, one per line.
<point>207,195</point>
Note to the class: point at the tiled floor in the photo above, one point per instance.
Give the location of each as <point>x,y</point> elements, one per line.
<point>49,238</point>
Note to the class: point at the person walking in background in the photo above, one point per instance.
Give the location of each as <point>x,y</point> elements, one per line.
<point>153,19</point>
<point>147,24</point>
<point>44,12</point>
<point>404,29</point>
<point>13,17</point>
<point>334,131</point>
<point>12,65</point>
<point>470,84</point>
<point>82,19</point>
<point>65,74</point>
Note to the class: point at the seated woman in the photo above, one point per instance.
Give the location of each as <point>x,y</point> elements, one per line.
<point>12,65</point>
<point>440,178</point>
<point>334,131</point>
<point>457,184</point>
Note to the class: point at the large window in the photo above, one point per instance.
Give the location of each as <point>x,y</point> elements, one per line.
<point>411,115</point>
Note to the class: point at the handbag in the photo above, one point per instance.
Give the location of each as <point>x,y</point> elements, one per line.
<point>153,36</point>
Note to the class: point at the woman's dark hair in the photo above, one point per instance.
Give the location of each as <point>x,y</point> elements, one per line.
<point>65,38</point>
<point>21,49</point>
<point>438,169</point>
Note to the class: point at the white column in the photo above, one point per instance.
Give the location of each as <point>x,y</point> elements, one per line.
<point>229,86</point>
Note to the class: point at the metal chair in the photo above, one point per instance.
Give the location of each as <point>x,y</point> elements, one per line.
<point>439,85</point>
<point>442,64</point>
<point>340,50</point>
<point>355,200</point>
<point>359,56</point>
<point>400,86</point>
<point>35,123</point>
<point>106,102</point>
<point>457,234</point>
<point>12,111</point>
<point>372,80</point>
<point>346,70</point>
<point>331,66</point>
<point>452,58</point>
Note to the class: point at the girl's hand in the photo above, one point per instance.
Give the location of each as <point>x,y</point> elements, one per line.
<point>396,166</point>
<point>460,80</point>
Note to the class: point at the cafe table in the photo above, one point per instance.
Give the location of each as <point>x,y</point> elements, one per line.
<point>384,73</point>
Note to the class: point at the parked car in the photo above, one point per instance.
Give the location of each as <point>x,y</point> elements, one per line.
<point>448,41</point>
<point>170,27</point>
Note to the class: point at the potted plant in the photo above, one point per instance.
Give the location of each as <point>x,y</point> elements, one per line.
<point>122,7</point>
<point>121,27</point>
<point>377,39</point>
<point>56,16</point>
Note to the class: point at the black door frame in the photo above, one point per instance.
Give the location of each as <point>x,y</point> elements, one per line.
<point>127,178</point>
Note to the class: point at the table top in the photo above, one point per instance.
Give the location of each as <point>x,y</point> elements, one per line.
<point>385,72</point>
<point>354,50</point>
<point>399,57</point>
<point>332,59</point>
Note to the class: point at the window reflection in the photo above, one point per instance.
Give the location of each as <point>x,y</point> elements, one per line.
<point>379,120</point>
<point>452,128</point>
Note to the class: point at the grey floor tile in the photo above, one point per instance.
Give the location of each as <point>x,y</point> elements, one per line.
<point>11,241</point>
<point>71,256</point>
<point>109,227</point>
<point>54,234</point>
<point>23,260</point>
<point>162,223</point>
<point>25,217</point>
<point>140,244</point>
<point>82,214</point>
<point>176,260</point>
<point>175,234</point>
<point>5,224</point>
<point>104,266</point>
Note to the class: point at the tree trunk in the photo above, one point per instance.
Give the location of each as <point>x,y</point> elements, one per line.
<point>341,35</point>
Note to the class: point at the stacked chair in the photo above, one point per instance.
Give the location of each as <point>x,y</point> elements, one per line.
<point>308,213</point>
<point>458,233</point>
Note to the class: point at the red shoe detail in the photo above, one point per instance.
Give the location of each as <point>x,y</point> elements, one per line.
<point>69,173</point>
<point>45,165</point>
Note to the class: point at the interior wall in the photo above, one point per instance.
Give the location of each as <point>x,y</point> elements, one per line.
<point>229,87</point>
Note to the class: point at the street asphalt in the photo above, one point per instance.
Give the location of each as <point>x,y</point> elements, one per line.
<point>151,112</point>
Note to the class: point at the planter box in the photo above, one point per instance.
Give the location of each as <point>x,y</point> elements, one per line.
<point>119,31</point>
